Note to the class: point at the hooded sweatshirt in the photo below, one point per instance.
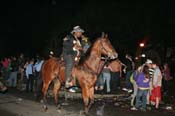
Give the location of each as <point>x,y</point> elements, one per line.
<point>142,82</point>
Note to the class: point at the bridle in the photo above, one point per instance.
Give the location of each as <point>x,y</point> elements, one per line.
<point>103,48</point>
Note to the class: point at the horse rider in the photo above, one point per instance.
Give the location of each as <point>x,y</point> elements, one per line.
<point>71,53</point>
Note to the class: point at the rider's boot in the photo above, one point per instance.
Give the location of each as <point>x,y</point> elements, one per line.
<point>69,85</point>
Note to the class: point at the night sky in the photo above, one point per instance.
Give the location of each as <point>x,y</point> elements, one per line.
<point>37,26</point>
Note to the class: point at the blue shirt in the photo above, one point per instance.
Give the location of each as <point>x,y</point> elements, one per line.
<point>29,70</point>
<point>38,65</point>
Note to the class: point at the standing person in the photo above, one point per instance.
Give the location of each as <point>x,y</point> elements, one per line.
<point>6,68</point>
<point>12,81</point>
<point>37,68</point>
<point>134,82</point>
<point>21,62</point>
<point>157,83</point>
<point>30,76</point>
<point>100,81</point>
<point>71,53</point>
<point>116,73</point>
<point>166,77</point>
<point>143,88</point>
<point>129,69</point>
<point>107,77</point>
<point>149,63</point>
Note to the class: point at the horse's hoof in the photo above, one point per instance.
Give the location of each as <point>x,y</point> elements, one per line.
<point>83,113</point>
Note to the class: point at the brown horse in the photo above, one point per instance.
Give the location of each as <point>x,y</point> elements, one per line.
<point>85,72</point>
<point>51,71</point>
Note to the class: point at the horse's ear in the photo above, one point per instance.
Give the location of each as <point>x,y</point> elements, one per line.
<point>106,35</point>
<point>103,34</point>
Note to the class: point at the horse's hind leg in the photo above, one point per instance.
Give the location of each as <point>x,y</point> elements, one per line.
<point>57,85</point>
<point>44,90</point>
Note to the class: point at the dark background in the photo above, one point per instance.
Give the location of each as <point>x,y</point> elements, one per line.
<point>38,26</point>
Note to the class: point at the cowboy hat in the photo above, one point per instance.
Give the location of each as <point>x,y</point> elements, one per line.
<point>77,29</point>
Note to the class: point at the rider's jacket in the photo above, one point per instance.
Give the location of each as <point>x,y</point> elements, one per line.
<point>68,45</point>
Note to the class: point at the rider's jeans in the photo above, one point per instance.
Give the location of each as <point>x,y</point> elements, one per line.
<point>69,61</point>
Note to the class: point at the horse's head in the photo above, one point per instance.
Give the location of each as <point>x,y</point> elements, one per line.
<point>106,47</point>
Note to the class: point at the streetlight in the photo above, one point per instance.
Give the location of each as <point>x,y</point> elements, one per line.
<point>142,45</point>
<point>143,55</point>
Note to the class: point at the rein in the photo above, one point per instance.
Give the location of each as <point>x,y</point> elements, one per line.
<point>93,56</point>
<point>94,72</point>
<point>106,60</point>
<point>103,48</point>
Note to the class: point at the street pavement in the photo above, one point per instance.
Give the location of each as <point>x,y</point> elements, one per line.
<point>20,103</point>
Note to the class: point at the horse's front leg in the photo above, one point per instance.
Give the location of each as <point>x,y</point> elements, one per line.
<point>91,96</point>
<point>57,85</point>
<point>85,95</point>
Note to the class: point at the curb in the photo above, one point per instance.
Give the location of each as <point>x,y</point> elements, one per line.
<point>79,95</point>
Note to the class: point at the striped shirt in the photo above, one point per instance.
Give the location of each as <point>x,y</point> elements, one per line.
<point>151,72</point>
